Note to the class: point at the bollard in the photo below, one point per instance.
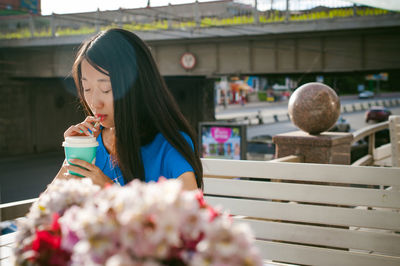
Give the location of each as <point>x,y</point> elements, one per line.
<point>260,118</point>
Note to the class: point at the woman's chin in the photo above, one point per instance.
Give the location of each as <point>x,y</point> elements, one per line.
<point>106,125</point>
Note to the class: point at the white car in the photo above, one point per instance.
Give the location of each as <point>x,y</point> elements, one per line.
<point>366,95</point>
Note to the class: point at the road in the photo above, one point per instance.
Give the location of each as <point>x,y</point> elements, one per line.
<point>355,119</point>
<point>281,107</point>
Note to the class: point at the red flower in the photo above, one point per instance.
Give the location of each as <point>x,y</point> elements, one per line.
<point>45,240</point>
<point>47,245</point>
<point>200,199</point>
<point>202,203</point>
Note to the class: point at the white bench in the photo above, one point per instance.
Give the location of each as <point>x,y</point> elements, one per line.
<point>312,214</point>
<point>394,127</point>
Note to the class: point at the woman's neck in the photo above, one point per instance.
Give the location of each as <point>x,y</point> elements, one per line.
<point>108,135</point>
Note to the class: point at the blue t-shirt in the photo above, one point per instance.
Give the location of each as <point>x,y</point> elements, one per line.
<point>159,159</point>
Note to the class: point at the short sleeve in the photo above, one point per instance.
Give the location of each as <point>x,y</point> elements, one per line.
<point>175,163</point>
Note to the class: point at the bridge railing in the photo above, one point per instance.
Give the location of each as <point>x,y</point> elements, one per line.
<point>152,19</point>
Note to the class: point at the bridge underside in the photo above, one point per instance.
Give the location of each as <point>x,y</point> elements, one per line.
<point>306,52</point>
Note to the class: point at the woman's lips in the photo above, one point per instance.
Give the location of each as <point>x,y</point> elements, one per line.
<point>101,116</point>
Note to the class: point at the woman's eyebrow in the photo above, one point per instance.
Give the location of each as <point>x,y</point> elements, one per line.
<point>99,80</point>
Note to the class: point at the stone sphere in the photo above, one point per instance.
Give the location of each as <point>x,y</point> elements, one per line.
<point>314,107</point>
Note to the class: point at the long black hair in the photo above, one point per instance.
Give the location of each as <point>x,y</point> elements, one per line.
<point>143,105</point>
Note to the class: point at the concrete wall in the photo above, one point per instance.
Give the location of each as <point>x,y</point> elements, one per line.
<point>284,54</point>
<point>34,113</point>
<point>195,97</point>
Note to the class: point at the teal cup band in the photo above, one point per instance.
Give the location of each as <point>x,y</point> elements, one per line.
<point>87,154</point>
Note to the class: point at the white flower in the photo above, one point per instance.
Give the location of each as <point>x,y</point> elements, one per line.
<point>138,224</point>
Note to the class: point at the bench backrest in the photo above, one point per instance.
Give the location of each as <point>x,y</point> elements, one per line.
<point>312,214</point>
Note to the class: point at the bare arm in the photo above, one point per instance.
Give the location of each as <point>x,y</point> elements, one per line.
<point>188,181</point>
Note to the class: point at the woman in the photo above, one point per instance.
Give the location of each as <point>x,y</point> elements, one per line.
<point>140,130</point>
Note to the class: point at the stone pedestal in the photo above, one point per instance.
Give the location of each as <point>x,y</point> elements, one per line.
<point>326,148</point>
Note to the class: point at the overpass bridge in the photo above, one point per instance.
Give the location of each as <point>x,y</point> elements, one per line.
<point>320,46</point>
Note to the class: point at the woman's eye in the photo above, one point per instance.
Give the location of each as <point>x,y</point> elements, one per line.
<point>107,91</point>
<point>86,90</point>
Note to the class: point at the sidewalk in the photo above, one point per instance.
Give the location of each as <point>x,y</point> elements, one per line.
<point>220,108</point>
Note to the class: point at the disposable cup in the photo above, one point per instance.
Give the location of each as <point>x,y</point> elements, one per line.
<point>80,147</point>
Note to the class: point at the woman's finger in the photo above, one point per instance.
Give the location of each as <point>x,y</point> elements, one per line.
<point>82,163</point>
<point>76,130</point>
<point>82,129</point>
<point>89,126</point>
<point>92,119</point>
<point>78,170</point>
<point>72,131</point>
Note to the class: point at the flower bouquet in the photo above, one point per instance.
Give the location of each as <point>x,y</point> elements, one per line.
<point>76,223</point>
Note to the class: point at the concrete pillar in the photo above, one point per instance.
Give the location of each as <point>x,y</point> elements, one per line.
<point>196,103</point>
<point>326,148</point>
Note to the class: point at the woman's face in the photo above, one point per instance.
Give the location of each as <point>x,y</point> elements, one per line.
<point>98,94</point>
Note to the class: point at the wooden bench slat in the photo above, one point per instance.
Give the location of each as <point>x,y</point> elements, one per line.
<point>309,213</point>
<point>303,172</point>
<point>388,243</point>
<point>303,193</point>
<point>383,152</point>
<point>292,253</point>
<point>322,223</point>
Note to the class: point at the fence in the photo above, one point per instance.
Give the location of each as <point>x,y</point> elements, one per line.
<point>182,17</point>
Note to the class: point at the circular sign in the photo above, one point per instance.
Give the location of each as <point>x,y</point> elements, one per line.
<point>188,60</point>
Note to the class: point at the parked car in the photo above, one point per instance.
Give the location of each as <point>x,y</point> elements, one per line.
<point>366,95</point>
<point>377,113</point>
<point>261,148</point>
<point>341,125</point>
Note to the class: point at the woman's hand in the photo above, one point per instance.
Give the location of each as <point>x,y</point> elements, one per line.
<point>83,128</point>
<point>89,170</point>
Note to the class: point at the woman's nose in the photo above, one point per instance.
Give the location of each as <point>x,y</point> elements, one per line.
<point>95,102</point>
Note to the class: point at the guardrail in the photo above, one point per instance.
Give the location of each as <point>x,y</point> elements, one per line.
<point>30,26</point>
<point>262,118</point>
